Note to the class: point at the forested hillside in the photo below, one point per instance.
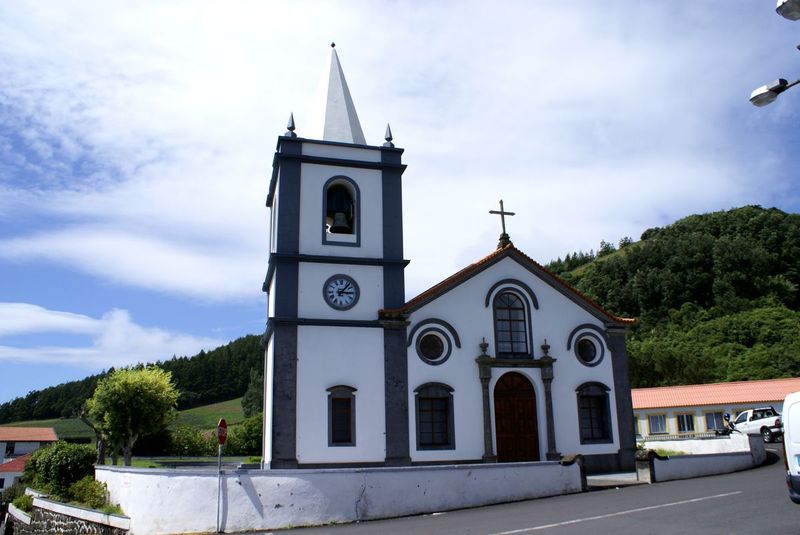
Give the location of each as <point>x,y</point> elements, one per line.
<point>716,296</point>
<point>208,377</point>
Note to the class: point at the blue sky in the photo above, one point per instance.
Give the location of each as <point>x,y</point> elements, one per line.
<point>136,143</point>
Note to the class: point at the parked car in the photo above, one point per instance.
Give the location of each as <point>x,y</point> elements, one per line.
<point>762,420</point>
<point>791,444</point>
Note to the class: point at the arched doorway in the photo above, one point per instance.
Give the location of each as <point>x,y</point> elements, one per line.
<point>516,427</point>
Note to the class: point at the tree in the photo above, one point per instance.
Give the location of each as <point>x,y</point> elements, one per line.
<point>131,402</point>
<point>253,399</point>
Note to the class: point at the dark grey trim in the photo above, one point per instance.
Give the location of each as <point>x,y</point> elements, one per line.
<point>284,397</point>
<point>326,323</point>
<point>434,321</point>
<point>342,392</point>
<point>581,391</point>
<point>528,324</point>
<point>521,285</point>
<point>395,377</point>
<point>285,152</point>
<point>440,390</point>
<point>583,327</point>
<point>599,347</point>
<point>392,197</point>
<point>448,346</point>
<point>395,281</point>
<point>352,281</point>
<point>357,218</point>
<point>513,363</point>
<point>394,293</point>
<point>622,397</point>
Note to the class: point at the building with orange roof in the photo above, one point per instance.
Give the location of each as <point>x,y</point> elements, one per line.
<point>694,409</point>
<point>17,441</point>
<point>11,471</point>
<point>502,361</point>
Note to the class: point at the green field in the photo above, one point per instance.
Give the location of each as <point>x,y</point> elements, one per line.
<point>65,427</point>
<point>205,417</point>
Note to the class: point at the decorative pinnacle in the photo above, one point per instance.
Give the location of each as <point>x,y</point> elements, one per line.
<point>545,348</point>
<point>333,45</point>
<point>484,346</point>
<point>290,126</point>
<point>388,137</point>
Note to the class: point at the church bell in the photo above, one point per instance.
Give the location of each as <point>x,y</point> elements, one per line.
<point>340,225</point>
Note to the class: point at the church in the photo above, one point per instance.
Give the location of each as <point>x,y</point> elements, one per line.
<point>500,362</point>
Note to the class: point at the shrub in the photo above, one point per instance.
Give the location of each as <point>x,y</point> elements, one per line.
<point>24,503</point>
<point>187,441</point>
<point>246,438</point>
<point>89,492</point>
<point>11,493</point>
<point>54,468</point>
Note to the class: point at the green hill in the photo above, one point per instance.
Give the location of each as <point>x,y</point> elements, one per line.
<point>716,296</point>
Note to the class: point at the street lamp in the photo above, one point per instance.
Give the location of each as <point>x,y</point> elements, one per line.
<point>789,9</point>
<point>766,94</point>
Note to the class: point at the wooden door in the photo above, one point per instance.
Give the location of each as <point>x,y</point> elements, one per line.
<point>516,427</point>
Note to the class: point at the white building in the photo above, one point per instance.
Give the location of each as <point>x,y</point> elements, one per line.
<point>17,441</point>
<point>502,361</point>
<point>692,409</point>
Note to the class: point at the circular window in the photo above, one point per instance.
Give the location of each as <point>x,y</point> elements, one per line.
<point>433,346</point>
<point>589,349</point>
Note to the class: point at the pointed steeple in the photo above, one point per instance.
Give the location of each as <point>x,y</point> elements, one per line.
<point>333,116</point>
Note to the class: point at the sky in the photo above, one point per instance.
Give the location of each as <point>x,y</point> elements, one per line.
<point>136,145</point>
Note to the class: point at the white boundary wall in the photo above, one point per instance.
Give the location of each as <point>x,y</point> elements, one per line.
<point>179,501</point>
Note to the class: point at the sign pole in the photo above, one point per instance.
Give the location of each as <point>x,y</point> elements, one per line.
<point>222,435</point>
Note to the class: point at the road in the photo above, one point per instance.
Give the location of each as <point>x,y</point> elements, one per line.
<point>748,502</point>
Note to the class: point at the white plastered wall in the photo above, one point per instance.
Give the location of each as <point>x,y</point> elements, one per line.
<point>331,356</point>
<point>464,308</point>
<point>312,277</point>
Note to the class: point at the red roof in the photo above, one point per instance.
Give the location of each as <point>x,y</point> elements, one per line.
<point>27,434</point>
<point>473,269</point>
<point>17,465</point>
<point>714,394</point>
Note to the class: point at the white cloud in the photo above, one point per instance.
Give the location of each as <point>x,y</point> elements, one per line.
<point>149,127</point>
<point>113,340</point>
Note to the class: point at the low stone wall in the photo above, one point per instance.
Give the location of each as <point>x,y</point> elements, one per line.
<point>697,446</point>
<point>651,467</point>
<point>48,516</point>
<point>176,501</point>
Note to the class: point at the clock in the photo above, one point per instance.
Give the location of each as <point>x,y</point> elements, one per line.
<point>340,292</point>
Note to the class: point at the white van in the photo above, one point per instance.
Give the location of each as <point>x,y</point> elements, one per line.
<point>791,443</point>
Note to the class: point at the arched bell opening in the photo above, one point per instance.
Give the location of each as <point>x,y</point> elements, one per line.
<point>340,209</point>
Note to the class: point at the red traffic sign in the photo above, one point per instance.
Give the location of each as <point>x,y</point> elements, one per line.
<point>222,430</point>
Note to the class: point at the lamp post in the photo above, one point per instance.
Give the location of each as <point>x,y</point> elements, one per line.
<point>766,94</point>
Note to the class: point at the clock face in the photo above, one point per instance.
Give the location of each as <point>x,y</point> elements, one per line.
<point>340,292</point>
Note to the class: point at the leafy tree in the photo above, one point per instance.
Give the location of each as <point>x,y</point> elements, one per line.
<point>247,437</point>
<point>189,441</point>
<point>253,399</point>
<point>132,402</point>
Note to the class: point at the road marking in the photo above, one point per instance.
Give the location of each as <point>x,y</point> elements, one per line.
<point>619,513</point>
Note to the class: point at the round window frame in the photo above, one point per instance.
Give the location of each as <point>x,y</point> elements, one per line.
<point>446,344</point>
<point>600,350</point>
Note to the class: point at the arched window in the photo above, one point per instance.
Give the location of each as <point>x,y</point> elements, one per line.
<point>594,413</point>
<point>434,411</point>
<point>341,416</point>
<point>510,326</point>
<point>340,209</point>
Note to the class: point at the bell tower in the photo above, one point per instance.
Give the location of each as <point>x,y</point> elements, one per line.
<point>336,381</point>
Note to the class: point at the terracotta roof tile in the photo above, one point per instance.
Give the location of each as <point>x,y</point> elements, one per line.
<point>16,465</point>
<point>714,394</point>
<point>27,434</point>
<point>472,269</point>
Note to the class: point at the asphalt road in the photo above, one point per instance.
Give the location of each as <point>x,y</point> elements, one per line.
<point>748,502</point>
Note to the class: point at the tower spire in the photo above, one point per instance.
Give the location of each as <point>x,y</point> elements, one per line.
<point>333,116</point>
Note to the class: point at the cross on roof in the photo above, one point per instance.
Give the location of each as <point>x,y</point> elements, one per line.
<point>504,239</point>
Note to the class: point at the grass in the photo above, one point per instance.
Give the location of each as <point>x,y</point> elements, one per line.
<point>207,416</point>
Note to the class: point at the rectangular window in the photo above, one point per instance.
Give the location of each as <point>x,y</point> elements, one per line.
<point>10,448</point>
<point>714,421</point>
<point>686,423</point>
<point>341,429</point>
<point>2,483</point>
<point>593,418</point>
<point>433,422</point>
<point>657,424</point>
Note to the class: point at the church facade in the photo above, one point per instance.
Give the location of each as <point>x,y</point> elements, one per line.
<point>501,362</point>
